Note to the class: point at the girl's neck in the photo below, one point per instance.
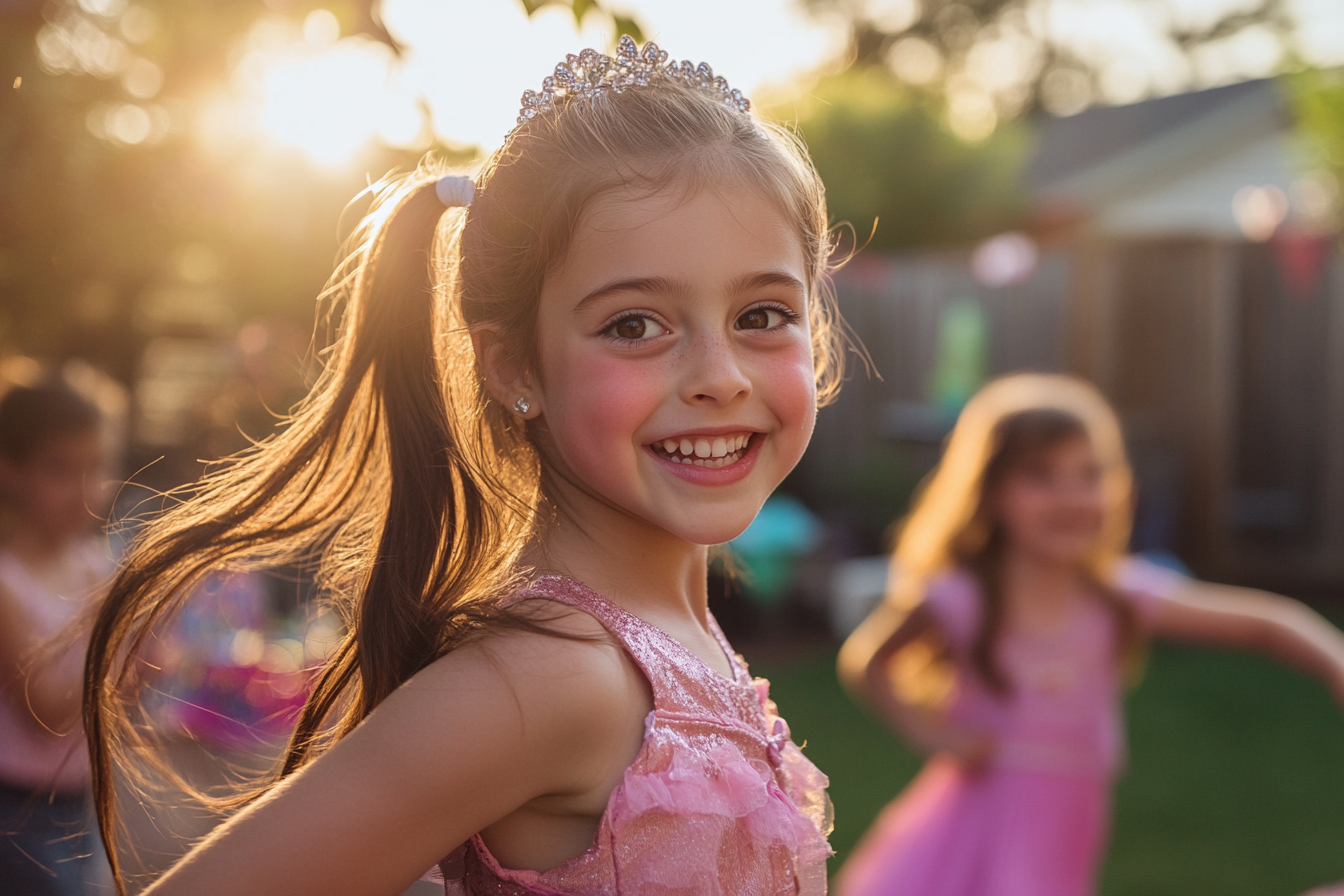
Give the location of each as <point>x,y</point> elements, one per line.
<point>643,568</point>
<point>1043,579</point>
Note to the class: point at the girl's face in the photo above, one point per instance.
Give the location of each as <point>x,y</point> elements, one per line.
<point>676,379</point>
<point>1053,505</point>
<point>58,491</point>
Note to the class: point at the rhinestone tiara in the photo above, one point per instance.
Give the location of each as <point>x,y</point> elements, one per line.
<point>591,73</point>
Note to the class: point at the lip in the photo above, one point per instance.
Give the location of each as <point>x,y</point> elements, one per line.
<point>728,475</point>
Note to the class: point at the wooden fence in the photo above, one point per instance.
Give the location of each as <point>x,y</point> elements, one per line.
<point>1225,361</point>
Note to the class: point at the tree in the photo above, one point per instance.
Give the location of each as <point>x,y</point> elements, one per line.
<point>1318,102</point>
<point>107,194</point>
<point>997,59</point>
<point>884,153</point>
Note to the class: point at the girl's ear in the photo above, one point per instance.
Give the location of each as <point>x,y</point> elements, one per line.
<point>508,380</point>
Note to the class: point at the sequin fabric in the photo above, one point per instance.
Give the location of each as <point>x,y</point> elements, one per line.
<point>718,802</point>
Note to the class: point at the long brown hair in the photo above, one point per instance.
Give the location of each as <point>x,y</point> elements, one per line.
<point>408,491</point>
<point>953,526</point>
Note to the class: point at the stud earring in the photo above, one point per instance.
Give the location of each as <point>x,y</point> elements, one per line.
<point>522,406</point>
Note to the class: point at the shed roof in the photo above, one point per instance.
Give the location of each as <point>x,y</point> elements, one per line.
<point>1089,164</point>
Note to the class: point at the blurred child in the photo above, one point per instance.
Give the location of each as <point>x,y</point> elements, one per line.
<point>538,414</point>
<point>1012,579</point>
<point>51,565</point>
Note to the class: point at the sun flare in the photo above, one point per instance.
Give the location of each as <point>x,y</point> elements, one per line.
<point>307,89</point>
<point>332,104</point>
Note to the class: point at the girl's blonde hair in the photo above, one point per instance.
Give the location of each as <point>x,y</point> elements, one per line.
<point>408,491</point>
<point>952,525</point>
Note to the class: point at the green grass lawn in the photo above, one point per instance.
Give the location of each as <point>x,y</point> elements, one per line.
<point>1235,785</point>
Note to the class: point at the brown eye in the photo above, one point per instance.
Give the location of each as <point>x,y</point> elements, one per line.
<point>764,317</point>
<point>755,319</point>
<point>630,328</point>
<point>635,328</point>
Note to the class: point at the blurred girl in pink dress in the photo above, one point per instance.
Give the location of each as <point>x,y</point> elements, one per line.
<point>1003,649</point>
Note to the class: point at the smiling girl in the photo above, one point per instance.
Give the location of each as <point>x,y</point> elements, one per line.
<point>1012,579</point>
<point>539,412</point>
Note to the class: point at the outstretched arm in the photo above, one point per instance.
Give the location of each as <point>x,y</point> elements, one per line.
<point>1277,626</point>
<point>45,677</point>
<point>864,665</point>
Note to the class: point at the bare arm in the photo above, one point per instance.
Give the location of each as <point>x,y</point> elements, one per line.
<point>1276,626</point>
<point>45,678</point>
<point>863,667</point>
<point>466,742</point>
<point>1329,890</point>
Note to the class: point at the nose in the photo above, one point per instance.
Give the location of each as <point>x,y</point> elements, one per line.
<point>715,374</point>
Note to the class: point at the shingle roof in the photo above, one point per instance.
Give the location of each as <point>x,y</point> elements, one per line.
<point>1071,148</point>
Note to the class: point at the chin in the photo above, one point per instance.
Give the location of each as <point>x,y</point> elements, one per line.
<point>697,532</point>
<point>1071,553</point>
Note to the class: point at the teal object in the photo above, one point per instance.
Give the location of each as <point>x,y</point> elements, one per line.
<point>962,359</point>
<point>769,550</point>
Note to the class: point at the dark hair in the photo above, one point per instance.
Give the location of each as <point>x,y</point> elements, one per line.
<point>1017,440</point>
<point>410,492</point>
<point>32,416</point>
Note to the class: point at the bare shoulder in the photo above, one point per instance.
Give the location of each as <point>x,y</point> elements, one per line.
<point>569,651</point>
<point>569,685</point>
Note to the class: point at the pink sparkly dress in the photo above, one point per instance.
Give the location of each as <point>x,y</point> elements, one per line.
<point>1035,822</point>
<point>718,802</point>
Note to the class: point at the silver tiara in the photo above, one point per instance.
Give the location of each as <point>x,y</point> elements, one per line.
<point>591,73</point>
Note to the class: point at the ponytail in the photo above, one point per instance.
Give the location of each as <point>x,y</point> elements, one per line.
<point>371,458</point>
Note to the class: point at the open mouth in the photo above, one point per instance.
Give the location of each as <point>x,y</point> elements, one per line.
<point>704,451</point>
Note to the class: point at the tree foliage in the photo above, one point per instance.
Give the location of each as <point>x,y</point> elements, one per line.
<point>1015,56</point>
<point>93,223</point>
<point>96,222</point>
<point>1318,101</point>
<point>886,155</point>
<point>624,24</point>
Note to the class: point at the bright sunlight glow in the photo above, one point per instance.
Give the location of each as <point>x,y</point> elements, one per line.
<point>332,104</point>
<point>304,87</point>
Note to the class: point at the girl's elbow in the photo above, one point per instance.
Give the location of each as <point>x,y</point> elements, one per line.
<point>849,667</point>
<point>854,667</point>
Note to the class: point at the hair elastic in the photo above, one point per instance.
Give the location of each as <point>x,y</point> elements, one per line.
<point>455,190</point>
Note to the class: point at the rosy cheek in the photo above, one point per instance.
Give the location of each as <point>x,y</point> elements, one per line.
<point>1023,510</point>
<point>790,386</point>
<point>598,402</point>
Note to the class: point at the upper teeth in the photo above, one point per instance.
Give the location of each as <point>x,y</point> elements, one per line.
<point>717,447</point>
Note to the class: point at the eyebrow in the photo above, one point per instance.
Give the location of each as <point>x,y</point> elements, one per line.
<point>761,279</point>
<point>647,285</point>
<point>650,285</point>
